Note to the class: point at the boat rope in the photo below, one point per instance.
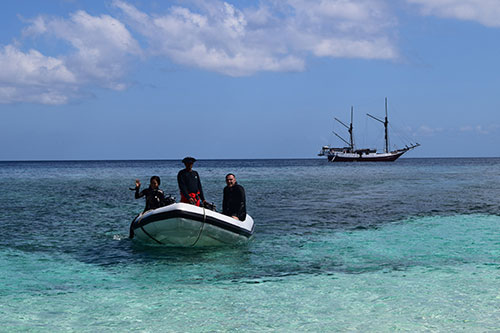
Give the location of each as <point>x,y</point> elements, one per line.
<point>202,226</point>
<point>136,221</point>
<point>147,233</point>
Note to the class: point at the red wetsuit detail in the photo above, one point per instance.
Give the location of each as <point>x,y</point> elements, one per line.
<point>195,196</point>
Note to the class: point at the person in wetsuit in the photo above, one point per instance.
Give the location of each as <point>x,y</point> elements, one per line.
<point>190,184</point>
<point>234,200</point>
<point>154,196</point>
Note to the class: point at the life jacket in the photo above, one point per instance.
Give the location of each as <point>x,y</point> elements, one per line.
<point>195,196</point>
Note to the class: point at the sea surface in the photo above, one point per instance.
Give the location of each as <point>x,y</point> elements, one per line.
<point>409,246</point>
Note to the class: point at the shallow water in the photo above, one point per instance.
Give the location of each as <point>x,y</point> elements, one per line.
<point>412,245</point>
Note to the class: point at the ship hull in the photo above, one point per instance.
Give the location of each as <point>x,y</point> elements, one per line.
<point>372,157</point>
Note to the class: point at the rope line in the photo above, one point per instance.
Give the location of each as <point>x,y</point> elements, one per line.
<point>202,226</point>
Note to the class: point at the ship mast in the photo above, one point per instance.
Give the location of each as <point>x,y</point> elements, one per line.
<point>385,122</point>
<point>349,129</point>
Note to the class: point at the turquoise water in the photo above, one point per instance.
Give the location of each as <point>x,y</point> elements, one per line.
<point>411,246</point>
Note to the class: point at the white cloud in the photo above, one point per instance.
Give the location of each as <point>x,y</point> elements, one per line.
<point>101,43</point>
<point>429,131</point>
<point>369,49</point>
<point>479,129</point>
<point>486,12</point>
<point>216,40</point>
<point>32,67</point>
<point>213,35</point>
<point>425,130</point>
<point>343,28</point>
<point>100,47</point>
<point>33,77</point>
<point>270,37</point>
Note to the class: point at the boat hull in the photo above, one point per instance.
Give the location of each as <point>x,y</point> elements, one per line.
<point>184,225</point>
<point>372,157</point>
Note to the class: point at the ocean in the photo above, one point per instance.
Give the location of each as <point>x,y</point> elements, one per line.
<point>412,245</point>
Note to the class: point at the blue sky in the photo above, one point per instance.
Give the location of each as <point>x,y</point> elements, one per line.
<point>246,79</point>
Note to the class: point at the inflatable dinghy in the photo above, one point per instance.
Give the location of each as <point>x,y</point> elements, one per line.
<point>185,225</point>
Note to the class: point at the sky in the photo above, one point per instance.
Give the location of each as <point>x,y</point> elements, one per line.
<point>144,79</point>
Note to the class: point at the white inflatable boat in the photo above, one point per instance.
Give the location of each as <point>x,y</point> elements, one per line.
<point>186,225</point>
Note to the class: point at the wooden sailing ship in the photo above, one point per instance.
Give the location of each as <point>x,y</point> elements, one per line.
<point>351,154</point>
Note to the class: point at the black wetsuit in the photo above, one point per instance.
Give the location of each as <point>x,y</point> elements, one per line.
<point>154,198</point>
<point>234,202</point>
<point>189,182</point>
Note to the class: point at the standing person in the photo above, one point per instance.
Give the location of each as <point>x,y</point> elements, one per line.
<point>190,184</point>
<point>234,201</point>
<point>154,196</point>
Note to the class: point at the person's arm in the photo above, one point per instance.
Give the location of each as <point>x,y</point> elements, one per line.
<point>156,198</point>
<point>242,212</point>
<point>224,201</point>
<point>161,196</point>
<point>137,188</point>
<point>202,196</point>
<point>182,184</point>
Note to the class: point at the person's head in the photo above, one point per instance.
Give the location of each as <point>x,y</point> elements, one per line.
<point>154,182</point>
<point>188,162</point>
<point>230,179</point>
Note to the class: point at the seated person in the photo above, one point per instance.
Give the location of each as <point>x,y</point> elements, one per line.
<point>154,196</point>
<point>234,201</point>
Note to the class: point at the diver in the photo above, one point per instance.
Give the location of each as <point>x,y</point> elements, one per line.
<point>154,196</point>
<point>234,201</point>
<point>190,184</point>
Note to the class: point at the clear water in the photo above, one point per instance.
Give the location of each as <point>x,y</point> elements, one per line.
<point>412,245</point>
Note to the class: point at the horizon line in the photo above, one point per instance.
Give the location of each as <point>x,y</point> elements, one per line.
<point>227,159</point>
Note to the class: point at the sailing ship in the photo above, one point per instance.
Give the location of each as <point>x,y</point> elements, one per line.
<point>351,154</point>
